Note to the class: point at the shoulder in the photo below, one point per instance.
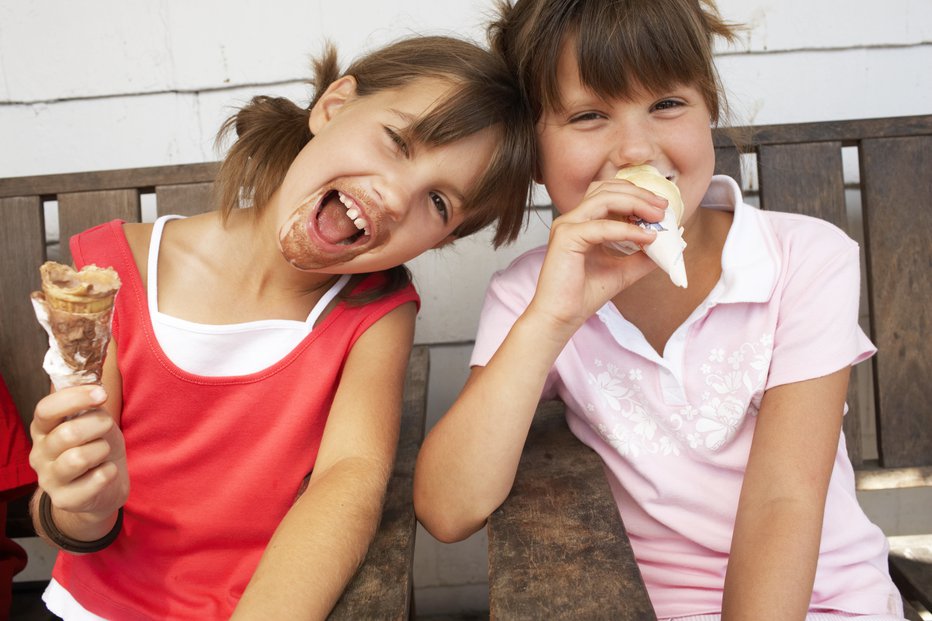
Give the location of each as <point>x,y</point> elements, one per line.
<point>524,270</point>
<point>807,239</point>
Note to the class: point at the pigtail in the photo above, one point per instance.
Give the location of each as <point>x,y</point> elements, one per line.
<point>270,132</point>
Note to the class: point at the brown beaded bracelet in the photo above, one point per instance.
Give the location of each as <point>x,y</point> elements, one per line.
<point>65,542</point>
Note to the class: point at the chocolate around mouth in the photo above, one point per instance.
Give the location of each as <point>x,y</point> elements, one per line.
<point>302,243</point>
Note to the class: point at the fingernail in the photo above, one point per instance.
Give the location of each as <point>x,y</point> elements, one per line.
<point>99,394</point>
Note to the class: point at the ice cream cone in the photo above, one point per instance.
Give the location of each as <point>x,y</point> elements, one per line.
<point>649,178</point>
<point>76,309</point>
<point>667,249</point>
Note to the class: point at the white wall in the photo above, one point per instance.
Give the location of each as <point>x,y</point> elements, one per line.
<point>101,84</point>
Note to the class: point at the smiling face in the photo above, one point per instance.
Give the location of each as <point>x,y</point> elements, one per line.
<point>360,197</point>
<point>592,138</point>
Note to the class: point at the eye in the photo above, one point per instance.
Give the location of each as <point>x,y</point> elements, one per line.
<point>441,206</point>
<point>398,140</point>
<point>666,104</point>
<point>586,116</point>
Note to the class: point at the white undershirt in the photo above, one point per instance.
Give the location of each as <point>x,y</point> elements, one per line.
<point>228,349</point>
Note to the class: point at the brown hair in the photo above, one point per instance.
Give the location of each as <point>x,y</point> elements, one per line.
<point>272,130</point>
<point>621,46</point>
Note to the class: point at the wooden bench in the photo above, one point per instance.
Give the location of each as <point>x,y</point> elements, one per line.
<point>543,563</point>
<point>383,586</point>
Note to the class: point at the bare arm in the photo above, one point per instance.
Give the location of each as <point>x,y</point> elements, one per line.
<point>324,537</point>
<point>467,465</point>
<point>81,463</point>
<point>775,546</point>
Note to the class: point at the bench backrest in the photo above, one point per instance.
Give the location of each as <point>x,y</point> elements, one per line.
<point>800,170</point>
<point>84,199</point>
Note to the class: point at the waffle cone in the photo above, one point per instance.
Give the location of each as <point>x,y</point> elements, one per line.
<point>88,291</point>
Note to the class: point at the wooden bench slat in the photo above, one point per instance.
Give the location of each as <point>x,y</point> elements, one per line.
<point>22,341</point>
<point>809,179</point>
<point>375,593</point>
<point>557,546</point>
<point>897,199</point>
<point>184,200</point>
<point>149,177</point>
<point>911,567</point>
<point>82,210</point>
<point>848,132</point>
<point>728,162</point>
<point>805,178</point>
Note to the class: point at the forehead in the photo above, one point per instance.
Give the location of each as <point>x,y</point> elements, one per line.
<point>414,99</point>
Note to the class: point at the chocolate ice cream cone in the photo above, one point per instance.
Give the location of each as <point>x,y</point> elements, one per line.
<point>76,308</point>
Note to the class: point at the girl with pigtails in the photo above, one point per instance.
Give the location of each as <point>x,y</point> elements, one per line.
<point>234,461</point>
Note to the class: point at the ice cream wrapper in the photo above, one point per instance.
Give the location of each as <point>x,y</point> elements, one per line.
<point>667,248</point>
<point>76,311</point>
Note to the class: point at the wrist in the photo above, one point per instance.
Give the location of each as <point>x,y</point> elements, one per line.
<point>548,327</point>
<point>109,525</point>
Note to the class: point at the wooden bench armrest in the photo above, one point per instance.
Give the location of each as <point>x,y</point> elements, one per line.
<point>557,546</point>
<point>384,584</point>
<point>911,567</point>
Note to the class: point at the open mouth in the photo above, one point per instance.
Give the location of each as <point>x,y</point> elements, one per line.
<point>340,220</point>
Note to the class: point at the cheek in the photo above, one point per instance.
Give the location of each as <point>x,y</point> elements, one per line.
<point>567,167</point>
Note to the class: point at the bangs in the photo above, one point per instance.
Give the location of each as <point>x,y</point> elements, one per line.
<point>631,47</point>
<point>463,112</point>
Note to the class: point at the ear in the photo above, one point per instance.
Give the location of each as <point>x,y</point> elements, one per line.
<point>328,105</point>
<point>446,241</point>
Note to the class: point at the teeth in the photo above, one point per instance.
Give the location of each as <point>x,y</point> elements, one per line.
<point>353,212</point>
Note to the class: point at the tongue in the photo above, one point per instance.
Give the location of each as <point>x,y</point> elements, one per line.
<point>332,222</point>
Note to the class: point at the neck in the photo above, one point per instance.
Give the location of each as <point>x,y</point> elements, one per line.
<point>251,250</point>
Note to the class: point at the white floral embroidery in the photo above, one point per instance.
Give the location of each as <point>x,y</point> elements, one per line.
<point>625,420</point>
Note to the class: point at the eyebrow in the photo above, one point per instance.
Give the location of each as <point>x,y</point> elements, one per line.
<point>409,119</point>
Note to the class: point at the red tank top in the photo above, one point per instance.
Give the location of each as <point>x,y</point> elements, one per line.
<point>214,462</point>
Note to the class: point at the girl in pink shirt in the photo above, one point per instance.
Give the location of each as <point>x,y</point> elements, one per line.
<point>717,407</point>
<point>246,426</point>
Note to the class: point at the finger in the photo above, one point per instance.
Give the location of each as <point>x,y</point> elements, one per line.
<point>61,404</point>
<point>84,493</point>
<point>623,186</point>
<point>92,425</point>
<point>637,266</point>
<point>582,236</point>
<point>615,206</point>
<point>76,462</point>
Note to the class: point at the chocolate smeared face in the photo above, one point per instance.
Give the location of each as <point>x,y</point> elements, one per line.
<point>332,226</point>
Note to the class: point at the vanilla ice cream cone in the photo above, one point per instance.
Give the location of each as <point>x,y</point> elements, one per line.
<point>667,249</point>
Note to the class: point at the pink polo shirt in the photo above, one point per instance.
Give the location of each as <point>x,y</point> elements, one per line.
<point>675,430</point>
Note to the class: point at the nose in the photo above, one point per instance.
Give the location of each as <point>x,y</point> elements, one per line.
<point>395,195</point>
<point>632,145</point>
